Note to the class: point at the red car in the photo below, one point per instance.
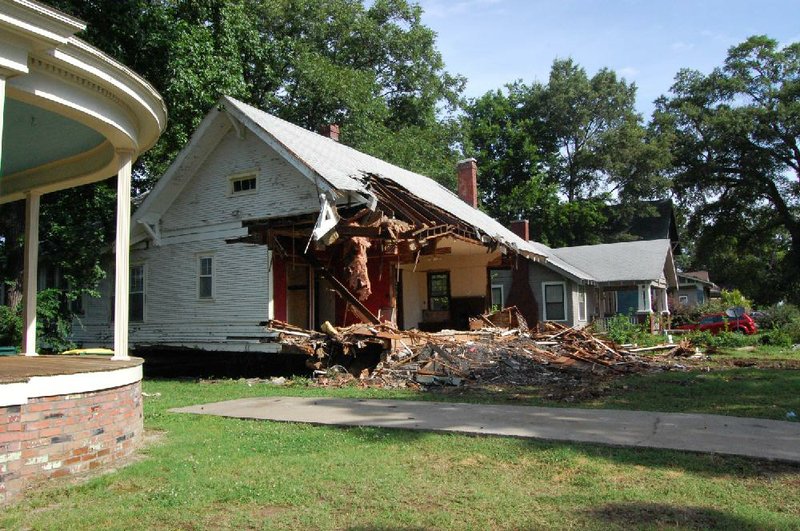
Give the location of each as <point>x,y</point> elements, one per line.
<point>718,322</point>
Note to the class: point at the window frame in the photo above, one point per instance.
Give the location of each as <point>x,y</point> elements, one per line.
<point>143,267</point>
<point>201,275</point>
<point>583,306</point>
<point>683,299</point>
<point>240,177</point>
<point>431,296</point>
<point>563,300</point>
<point>502,295</point>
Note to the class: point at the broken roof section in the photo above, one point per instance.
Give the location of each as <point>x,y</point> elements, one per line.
<point>340,169</point>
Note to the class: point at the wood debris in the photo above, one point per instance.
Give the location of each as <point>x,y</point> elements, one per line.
<point>382,356</point>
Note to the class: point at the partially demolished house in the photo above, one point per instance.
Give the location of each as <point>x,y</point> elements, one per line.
<point>258,219</point>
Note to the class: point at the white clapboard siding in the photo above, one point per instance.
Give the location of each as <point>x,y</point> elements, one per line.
<point>197,224</point>
<point>281,190</point>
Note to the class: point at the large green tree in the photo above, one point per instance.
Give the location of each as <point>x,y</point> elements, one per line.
<point>734,135</point>
<point>373,69</point>
<point>557,153</point>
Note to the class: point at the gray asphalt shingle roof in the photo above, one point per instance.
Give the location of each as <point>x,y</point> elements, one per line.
<point>344,168</point>
<point>619,262</point>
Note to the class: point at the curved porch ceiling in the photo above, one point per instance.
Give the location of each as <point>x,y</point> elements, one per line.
<point>72,114</point>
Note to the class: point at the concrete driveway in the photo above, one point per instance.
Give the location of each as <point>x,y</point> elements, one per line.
<point>767,439</point>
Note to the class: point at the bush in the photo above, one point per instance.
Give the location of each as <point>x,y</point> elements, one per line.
<point>622,330</point>
<point>722,340</point>
<point>53,323</point>
<point>10,327</point>
<point>776,338</point>
<point>781,320</point>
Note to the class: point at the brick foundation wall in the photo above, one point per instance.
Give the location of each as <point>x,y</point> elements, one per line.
<point>58,436</point>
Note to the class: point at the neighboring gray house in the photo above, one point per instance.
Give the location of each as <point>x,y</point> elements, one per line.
<point>695,288</point>
<point>259,219</point>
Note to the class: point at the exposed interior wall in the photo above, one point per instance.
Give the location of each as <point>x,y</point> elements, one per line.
<point>467,265</point>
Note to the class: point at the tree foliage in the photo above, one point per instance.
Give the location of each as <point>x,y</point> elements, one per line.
<point>556,153</point>
<point>734,137</point>
<point>373,69</point>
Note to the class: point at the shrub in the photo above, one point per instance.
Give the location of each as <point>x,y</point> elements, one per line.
<point>777,337</point>
<point>779,316</point>
<point>622,330</point>
<point>53,323</point>
<point>721,340</point>
<point>10,327</point>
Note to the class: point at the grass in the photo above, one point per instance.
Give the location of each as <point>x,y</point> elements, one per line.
<point>215,473</point>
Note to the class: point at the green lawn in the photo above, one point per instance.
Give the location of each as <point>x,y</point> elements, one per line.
<point>214,473</point>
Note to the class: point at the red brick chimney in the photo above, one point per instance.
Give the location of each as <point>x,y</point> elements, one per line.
<point>331,131</point>
<point>520,227</point>
<point>468,182</point>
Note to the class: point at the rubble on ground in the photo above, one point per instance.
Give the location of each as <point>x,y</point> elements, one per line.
<point>499,349</point>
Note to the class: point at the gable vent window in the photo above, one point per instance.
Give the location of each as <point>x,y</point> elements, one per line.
<point>243,184</point>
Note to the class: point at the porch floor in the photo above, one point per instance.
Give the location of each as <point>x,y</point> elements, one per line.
<point>21,368</point>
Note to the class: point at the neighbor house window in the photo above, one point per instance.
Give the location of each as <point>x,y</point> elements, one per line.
<point>243,184</point>
<point>136,294</point>
<point>439,291</point>
<point>205,277</point>
<point>683,299</point>
<point>555,297</point>
<point>582,303</point>
<point>497,296</point>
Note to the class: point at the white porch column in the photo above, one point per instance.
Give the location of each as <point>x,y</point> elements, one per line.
<point>30,274</point>
<point>645,300</point>
<point>122,271</point>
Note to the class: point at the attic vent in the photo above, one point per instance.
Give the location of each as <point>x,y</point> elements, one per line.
<point>242,184</point>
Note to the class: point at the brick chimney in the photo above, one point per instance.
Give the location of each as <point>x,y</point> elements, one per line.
<point>468,182</point>
<point>331,131</point>
<point>520,227</point>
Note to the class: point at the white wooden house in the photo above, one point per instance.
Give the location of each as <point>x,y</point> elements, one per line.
<point>259,219</point>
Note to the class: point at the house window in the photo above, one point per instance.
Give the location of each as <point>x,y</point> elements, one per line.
<point>497,296</point>
<point>243,184</point>
<point>683,299</point>
<point>136,294</point>
<point>205,277</point>
<point>582,303</point>
<point>439,291</point>
<point>555,297</point>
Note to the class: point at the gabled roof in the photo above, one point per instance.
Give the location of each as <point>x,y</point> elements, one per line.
<point>639,261</point>
<point>344,169</point>
<point>334,167</point>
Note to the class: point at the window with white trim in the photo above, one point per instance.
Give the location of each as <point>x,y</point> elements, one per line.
<point>243,184</point>
<point>497,296</point>
<point>582,303</point>
<point>555,301</point>
<point>205,277</point>
<point>683,299</point>
<point>136,294</point>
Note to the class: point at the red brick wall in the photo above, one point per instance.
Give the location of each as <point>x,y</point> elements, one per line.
<point>62,435</point>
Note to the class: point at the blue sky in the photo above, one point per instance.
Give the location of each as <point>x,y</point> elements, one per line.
<point>493,42</point>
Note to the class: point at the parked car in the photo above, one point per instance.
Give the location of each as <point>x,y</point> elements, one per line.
<point>718,322</point>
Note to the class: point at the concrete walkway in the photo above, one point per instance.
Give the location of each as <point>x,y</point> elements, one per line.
<point>768,439</point>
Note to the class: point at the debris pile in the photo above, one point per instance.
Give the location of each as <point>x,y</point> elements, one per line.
<point>498,350</point>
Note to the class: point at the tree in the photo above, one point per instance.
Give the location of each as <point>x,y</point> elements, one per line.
<point>373,70</point>
<point>577,140</point>
<point>734,140</point>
